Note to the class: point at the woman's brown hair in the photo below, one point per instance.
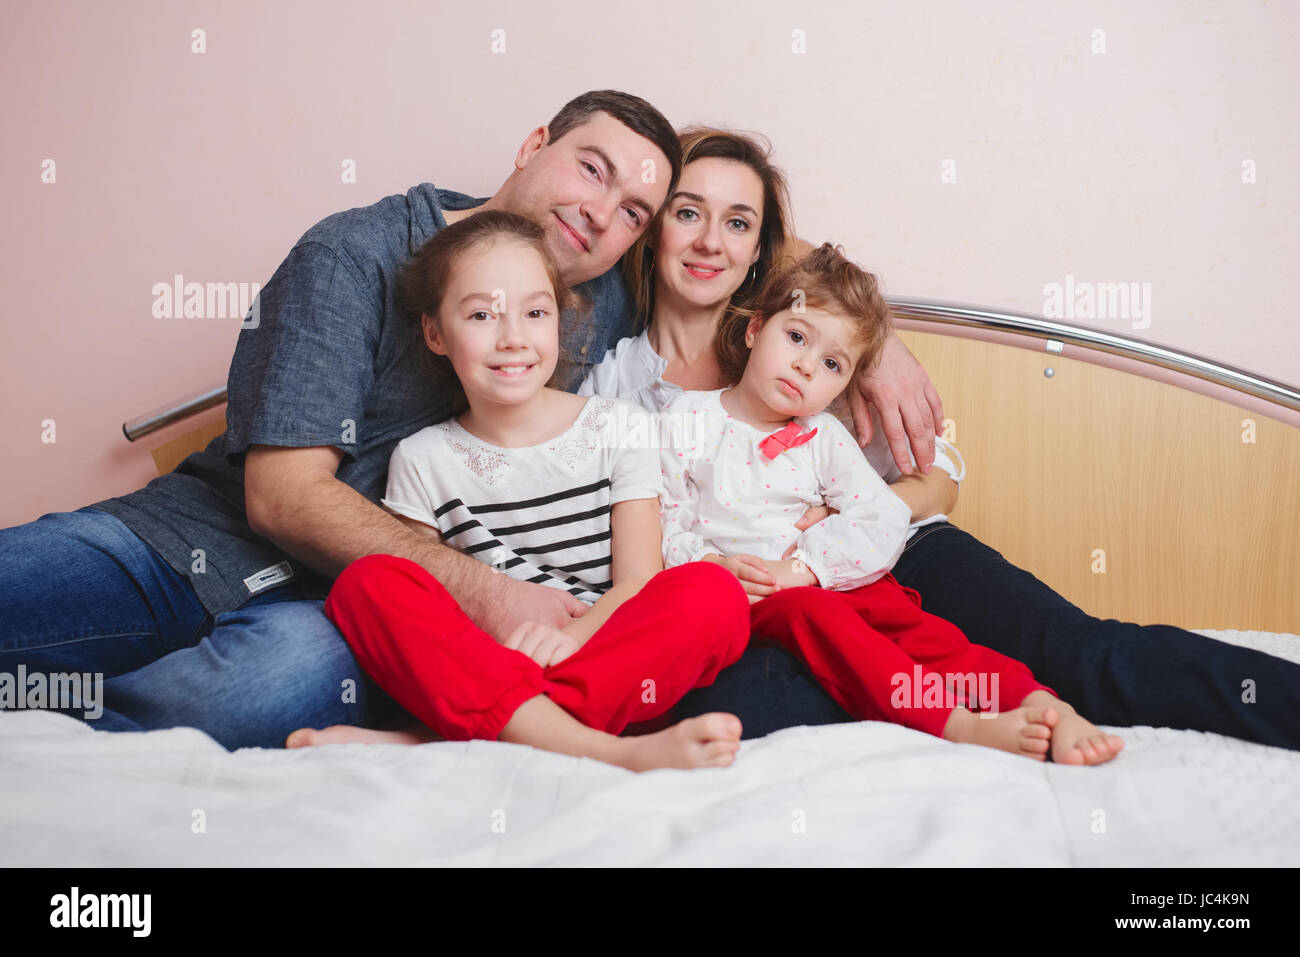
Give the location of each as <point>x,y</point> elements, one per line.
<point>702,142</point>
<point>424,279</point>
<point>823,279</point>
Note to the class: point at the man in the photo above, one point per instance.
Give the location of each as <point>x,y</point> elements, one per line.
<point>198,596</point>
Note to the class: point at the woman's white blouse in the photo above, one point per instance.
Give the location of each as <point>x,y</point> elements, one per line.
<point>722,495</point>
<point>633,370</point>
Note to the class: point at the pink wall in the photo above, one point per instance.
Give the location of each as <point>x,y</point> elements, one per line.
<point>1122,166</point>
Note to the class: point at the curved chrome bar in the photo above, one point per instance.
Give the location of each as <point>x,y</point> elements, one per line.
<point>950,313</point>
<point>161,418</point>
<point>926,310</point>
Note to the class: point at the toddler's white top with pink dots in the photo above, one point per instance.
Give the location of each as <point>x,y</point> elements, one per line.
<point>722,494</point>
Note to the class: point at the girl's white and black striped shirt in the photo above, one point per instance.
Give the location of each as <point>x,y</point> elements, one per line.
<point>539,513</point>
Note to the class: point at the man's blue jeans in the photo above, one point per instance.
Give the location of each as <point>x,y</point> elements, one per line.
<point>80,592</point>
<point>1111,672</point>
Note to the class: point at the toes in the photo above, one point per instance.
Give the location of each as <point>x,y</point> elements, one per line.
<point>1035,746</point>
<point>1037,731</point>
<point>715,749</point>
<point>299,739</point>
<point>720,754</point>
<point>1070,756</point>
<point>719,724</point>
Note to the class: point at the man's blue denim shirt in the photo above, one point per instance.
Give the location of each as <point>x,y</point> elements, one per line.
<point>329,362</point>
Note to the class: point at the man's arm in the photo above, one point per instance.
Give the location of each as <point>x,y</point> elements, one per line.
<point>293,498</point>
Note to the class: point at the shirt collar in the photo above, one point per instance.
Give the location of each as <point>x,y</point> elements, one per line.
<point>426,203</point>
<point>654,363</point>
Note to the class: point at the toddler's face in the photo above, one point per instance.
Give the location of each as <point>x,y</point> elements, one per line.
<point>499,323</point>
<point>800,361</point>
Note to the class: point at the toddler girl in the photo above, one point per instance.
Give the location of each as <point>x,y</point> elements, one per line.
<point>745,464</point>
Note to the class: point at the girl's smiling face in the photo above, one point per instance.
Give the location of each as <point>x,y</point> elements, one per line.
<point>709,235</point>
<point>498,323</point>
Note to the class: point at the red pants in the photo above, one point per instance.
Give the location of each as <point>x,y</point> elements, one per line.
<point>864,647</point>
<point>408,633</point>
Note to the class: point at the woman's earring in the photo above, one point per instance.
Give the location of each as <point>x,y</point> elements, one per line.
<point>753,271</point>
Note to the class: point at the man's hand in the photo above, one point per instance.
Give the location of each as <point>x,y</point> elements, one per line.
<point>752,572</point>
<point>908,404</point>
<point>545,645</point>
<point>513,604</point>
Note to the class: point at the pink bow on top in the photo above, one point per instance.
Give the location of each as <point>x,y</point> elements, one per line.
<point>783,439</point>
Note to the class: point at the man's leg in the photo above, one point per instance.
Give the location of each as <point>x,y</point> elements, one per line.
<point>80,592</point>
<point>1112,672</point>
<point>269,667</point>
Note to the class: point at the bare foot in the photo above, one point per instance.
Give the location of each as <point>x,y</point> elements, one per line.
<point>1026,731</point>
<point>1076,740</point>
<point>709,741</point>
<point>348,734</point>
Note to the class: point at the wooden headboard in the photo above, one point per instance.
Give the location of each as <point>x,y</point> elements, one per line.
<point>1134,498</point>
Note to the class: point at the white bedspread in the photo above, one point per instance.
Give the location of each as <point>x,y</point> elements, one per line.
<point>851,794</point>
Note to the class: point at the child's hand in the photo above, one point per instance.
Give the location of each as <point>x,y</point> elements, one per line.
<point>792,573</point>
<point>545,645</point>
<point>752,572</point>
<point>810,518</point>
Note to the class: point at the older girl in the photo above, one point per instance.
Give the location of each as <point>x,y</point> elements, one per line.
<point>529,479</point>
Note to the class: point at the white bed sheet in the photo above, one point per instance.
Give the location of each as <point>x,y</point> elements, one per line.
<point>851,794</point>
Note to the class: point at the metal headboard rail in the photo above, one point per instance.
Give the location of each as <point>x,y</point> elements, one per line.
<point>929,310</point>
<point>1057,335</point>
<point>139,427</point>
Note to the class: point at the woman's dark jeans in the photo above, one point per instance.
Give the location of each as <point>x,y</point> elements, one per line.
<point>1112,672</point>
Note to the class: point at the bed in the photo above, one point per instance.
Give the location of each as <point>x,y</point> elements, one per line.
<point>864,794</point>
<point>1099,476</point>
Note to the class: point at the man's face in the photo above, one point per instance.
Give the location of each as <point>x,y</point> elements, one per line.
<point>586,192</point>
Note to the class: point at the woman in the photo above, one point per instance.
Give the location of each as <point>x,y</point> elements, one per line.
<point>691,275</point>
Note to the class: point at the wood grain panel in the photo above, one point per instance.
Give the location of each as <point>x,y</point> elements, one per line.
<point>1096,469</point>
<point>171,454</point>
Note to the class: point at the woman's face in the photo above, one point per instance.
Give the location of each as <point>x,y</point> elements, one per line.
<point>709,234</point>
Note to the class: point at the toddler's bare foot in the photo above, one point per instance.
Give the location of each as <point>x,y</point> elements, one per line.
<point>709,741</point>
<point>1076,740</point>
<point>348,734</point>
<point>1026,731</point>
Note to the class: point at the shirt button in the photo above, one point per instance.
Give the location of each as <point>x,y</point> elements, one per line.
<point>583,350</point>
